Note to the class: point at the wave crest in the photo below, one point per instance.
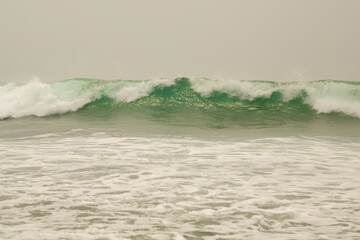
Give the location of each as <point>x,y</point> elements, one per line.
<point>42,99</point>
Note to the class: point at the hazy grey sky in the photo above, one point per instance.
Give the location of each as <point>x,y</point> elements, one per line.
<point>133,39</point>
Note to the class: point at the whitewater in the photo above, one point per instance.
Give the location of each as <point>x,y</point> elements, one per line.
<point>185,158</point>
<point>42,99</point>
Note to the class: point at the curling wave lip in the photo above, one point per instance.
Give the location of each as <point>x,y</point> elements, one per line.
<point>43,99</point>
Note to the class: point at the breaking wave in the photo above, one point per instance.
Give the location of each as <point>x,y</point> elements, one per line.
<point>242,97</point>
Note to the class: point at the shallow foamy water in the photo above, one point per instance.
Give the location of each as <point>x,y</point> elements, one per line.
<point>85,184</point>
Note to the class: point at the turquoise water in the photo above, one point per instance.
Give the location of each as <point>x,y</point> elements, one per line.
<point>180,159</point>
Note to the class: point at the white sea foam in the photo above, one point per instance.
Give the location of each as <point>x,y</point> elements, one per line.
<point>246,90</point>
<point>323,96</point>
<point>328,97</point>
<point>36,98</point>
<point>42,99</point>
<point>85,186</point>
<point>135,91</point>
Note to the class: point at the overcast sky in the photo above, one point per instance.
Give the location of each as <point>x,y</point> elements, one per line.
<point>133,39</point>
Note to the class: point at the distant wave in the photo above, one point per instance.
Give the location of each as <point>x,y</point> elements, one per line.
<point>42,99</point>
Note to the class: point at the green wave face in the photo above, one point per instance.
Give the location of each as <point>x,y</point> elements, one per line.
<point>180,104</point>
<point>190,102</point>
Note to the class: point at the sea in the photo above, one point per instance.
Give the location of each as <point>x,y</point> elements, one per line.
<point>185,158</point>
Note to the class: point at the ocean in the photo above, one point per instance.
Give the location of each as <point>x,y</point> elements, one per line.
<point>185,158</point>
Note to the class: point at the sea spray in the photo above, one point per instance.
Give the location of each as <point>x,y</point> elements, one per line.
<point>43,99</point>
